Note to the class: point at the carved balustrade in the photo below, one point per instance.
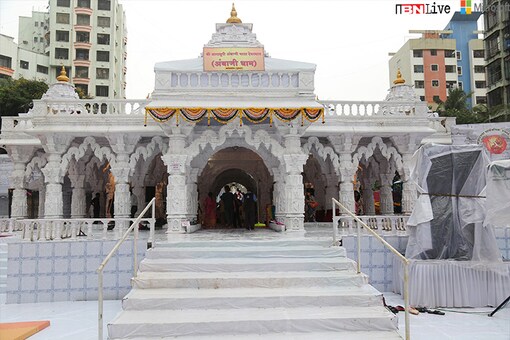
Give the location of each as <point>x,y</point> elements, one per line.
<point>334,108</point>
<point>393,224</point>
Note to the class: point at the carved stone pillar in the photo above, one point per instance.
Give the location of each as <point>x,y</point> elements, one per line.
<point>192,195</point>
<point>19,208</point>
<point>278,194</point>
<point>42,198</point>
<point>368,198</point>
<point>78,204</point>
<point>347,169</point>
<point>176,202</point>
<point>409,193</point>
<point>386,194</point>
<point>123,145</point>
<point>139,191</point>
<point>53,177</point>
<point>293,189</point>
<point>20,156</point>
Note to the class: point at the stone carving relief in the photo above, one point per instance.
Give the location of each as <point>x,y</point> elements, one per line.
<point>146,152</point>
<point>77,152</point>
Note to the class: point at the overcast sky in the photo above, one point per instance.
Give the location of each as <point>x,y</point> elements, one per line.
<point>348,40</point>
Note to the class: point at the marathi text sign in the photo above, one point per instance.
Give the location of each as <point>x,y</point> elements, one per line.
<point>233,59</point>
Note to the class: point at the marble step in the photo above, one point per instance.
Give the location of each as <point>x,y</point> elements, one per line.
<point>343,335</point>
<point>264,321</point>
<point>172,299</point>
<point>246,252</point>
<point>287,242</point>
<point>215,280</point>
<point>242,264</point>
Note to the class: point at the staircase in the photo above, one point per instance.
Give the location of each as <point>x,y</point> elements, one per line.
<point>251,289</point>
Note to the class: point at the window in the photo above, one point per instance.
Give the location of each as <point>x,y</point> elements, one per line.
<point>418,68</point>
<point>42,69</point>
<point>461,85</point>
<point>506,67</point>
<point>41,39</point>
<point>436,99</point>
<point>418,53</point>
<point>103,56</point>
<point>82,54</point>
<point>101,91</point>
<point>492,45</point>
<point>103,21</point>
<point>23,64</point>
<point>61,53</point>
<point>35,40</point>
<point>83,37</point>
<point>62,18</point>
<point>481,100</point>
<point>83,88</point>
<point>459,55</point>
<point>480,84</point>
<point>422,98</point>
<point>419,84</point>
<point>478,53</point>
<point>102,73</point>
<point>494,73</point>
<point>64,3</point>
<point>433,52</point>
<point>449,68</point>
<point>449,54</point>
<point>459,70</point>
<point>103,39</point>
<point>103,5</point>
<point>62,36</point>
<point>450,84</point>
<point>434,67</point>
<point>83,20</point>
<point>435,83</point>
<point>479,69</point>
<point>82,72</point>
<point>84,3</point>
<point>36,23</point>
<point>5,61</point>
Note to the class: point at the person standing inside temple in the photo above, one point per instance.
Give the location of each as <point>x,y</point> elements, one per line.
<point>227,199</point>
<point>250,210</point>
<point>134,204</point>
<point>210,211</point>
<point>96,207</point>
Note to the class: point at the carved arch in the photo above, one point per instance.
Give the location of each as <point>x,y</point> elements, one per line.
<point>39,160</point>
<point>79,151</point>
<point>147,151</point>
<point>323,152</point>
<point>387,151</point>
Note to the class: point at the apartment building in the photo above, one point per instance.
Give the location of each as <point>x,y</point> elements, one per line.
<point>87,37</point>
<point>443,59</point>
<point>497,51</point>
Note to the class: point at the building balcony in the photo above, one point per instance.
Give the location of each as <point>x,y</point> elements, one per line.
<point>83,28</point>
<point>6,71</point>
<point>78,80</point>
<point>83,10</point>
<point>81,62</point>
<point>83,45</point>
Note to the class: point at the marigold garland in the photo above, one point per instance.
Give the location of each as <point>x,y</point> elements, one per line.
<point>225,115</point>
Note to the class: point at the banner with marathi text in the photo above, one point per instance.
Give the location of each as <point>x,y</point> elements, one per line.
<point>233,59</point>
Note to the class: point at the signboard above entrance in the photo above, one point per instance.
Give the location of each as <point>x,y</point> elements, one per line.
<point>233,59</point>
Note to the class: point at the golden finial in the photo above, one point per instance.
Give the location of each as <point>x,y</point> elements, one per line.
<point>63,75</point>
<point>233,16</point>
<point>399,79</point>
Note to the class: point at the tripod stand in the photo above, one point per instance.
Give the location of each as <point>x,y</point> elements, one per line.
<point>500,306</point>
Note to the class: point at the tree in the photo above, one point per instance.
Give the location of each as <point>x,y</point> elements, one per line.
<point>16,95</point>
<point>456,105</point>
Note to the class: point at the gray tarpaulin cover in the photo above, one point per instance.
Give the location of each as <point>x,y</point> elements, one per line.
<point>498,194</point>
<point>447,221</point>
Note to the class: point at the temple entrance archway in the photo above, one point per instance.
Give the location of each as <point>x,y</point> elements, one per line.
<point>237,165</point>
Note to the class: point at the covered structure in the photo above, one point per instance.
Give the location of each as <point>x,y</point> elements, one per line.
<point>234,113</point>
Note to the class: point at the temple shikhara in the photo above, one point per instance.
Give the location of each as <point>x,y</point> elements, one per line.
<point>237,125</point>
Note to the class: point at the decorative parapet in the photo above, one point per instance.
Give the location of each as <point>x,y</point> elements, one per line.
<point>336,108</point>
<point>96,106</point>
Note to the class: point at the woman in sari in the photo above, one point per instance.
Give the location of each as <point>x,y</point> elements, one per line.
<point>210,211</point>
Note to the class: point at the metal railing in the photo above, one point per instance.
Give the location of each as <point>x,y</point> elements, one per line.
<point>402,258</point>
<point>150,243</point>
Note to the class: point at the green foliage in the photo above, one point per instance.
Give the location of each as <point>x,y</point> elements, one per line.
<point>16,95</point>
<point>82,94</point>
<point>456,106</point>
